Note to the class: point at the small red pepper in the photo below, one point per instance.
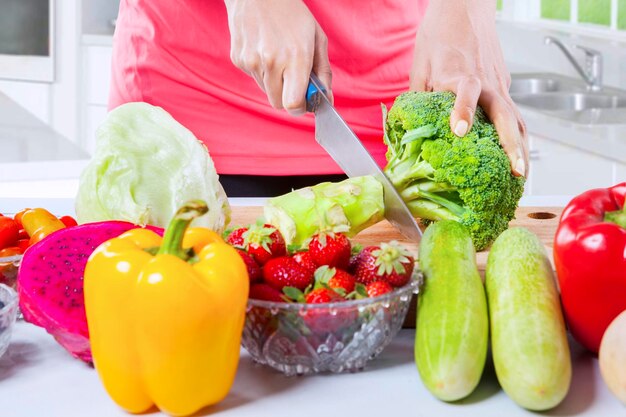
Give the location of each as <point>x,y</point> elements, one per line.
<point>590,260</point>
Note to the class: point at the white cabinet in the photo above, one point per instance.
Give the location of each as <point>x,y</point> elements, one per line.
<point>97,65</point>
<point>557,169</point>
<point>95,96</point>
<point>620,173</point>
<point>94,116</point>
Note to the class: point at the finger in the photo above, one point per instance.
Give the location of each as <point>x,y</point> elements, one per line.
<point>419,83</point>
<point>503,118</point>
<point>295,81</point>
<point>321,64</point>
<point>419,78</point>
<point>273,82</point>
<point>462,116</point>
<point>521,127</point>
<point>250,63</point>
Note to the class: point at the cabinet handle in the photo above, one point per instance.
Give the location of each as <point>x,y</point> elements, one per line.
<point>534,154</point>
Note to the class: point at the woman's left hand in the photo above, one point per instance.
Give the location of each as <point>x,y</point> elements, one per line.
<point>457,49</point>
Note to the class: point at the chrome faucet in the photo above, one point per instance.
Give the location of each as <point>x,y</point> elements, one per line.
<point>592,73</point>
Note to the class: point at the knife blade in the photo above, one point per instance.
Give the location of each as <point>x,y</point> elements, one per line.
<point>342,144</point>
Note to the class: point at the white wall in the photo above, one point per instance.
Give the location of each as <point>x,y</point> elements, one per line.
<point>56,103</point>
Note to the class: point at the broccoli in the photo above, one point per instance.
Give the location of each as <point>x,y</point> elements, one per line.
<point>442,176</point>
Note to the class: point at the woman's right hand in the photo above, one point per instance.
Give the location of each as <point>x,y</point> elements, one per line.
<point>278,43</point>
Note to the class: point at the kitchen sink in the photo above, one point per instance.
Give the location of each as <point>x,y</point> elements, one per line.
<point>568,98</point>
<point>572,101</point>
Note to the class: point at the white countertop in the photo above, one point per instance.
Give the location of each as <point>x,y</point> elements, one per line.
<point>38,378</point>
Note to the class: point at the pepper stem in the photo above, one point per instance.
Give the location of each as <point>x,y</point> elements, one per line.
<point>618,217</point>
<point>173,239</point>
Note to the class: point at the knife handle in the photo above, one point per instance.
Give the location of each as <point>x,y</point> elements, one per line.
<point>312,92</point>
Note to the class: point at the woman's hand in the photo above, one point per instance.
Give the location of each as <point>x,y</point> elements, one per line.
<point>457,50</point>
<point>278,43</point>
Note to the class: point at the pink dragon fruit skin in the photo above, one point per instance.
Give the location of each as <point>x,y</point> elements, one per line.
<point>50,281</point>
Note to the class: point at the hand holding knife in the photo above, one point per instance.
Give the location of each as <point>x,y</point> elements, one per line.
<point>336,137</point>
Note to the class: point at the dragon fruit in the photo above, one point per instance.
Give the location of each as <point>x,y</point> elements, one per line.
<point>50,281</point>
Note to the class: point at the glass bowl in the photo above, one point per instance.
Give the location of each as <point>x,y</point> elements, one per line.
<point>8,313</point>
<point>300,339</point>
<point>8,270</point>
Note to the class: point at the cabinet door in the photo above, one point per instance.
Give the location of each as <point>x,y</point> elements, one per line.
<point>620,173</point>
<point>97,65</point>
<point>95,115</point>
<point>557,169</point>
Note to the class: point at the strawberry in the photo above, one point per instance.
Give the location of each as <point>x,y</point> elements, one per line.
<point>304,260</point>
<point>388,262</point>
<point>284,271</point>
<point>333,278</point>
<point>377,288</point>
<point>235,238</point>
<point>342,280</point>
<point>254,270</point>
<point>332,249</point>
<point>322,295</point>
<point>320,321</point>
<point>265,292</point>
<point>261,241</point>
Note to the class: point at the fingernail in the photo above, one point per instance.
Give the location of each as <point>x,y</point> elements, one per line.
<point>461,128</point>
<point>520,167</point>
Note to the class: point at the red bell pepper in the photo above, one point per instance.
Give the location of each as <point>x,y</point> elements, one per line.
<point>590,260</point>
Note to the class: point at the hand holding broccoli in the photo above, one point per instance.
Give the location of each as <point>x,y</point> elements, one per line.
<point>457,50</point>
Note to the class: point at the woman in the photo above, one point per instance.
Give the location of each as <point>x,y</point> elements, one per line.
<point>180,54</point>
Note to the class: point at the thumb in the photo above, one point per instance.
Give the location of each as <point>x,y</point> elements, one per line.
<point>321,65</point>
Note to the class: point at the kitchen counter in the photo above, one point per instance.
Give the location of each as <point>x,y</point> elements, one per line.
<point>39,378</point>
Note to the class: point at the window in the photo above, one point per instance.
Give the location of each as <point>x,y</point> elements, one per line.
<point>606,17</point>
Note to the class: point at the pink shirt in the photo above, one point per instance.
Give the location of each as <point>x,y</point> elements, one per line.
<point>176,54</point>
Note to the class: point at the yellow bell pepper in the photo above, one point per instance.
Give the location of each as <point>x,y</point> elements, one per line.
<point>165,316</point>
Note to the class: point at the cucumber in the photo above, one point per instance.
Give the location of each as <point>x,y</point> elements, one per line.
<point>528,338</point>
<point>452,328</point>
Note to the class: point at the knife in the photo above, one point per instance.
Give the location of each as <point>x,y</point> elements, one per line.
<point>336,137</point>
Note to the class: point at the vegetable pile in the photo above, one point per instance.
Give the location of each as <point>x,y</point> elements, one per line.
<point>442,176</point>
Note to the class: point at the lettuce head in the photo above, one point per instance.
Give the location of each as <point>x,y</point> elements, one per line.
<point>145,166</point>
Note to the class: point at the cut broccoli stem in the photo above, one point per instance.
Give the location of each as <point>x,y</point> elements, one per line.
<point>405,171</point>
<point>415,193</point>
<point>426,209</point>
<point>426,185</point>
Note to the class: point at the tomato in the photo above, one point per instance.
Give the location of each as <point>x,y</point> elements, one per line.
<point>23,244</point>
<point>68,221</point>
<point>18,217</point>
<point>9,232</point>
<point>10,251</point>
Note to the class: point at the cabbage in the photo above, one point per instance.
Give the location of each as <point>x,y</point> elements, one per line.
<point>144,167</point>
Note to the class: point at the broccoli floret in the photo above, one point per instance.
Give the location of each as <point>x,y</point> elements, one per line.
<point>442,176</point>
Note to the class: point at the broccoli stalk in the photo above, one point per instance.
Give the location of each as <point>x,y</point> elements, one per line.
<point>441,176</point>
<point>348,206</point>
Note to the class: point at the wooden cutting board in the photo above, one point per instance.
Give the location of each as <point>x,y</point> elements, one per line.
<point>542,221</point>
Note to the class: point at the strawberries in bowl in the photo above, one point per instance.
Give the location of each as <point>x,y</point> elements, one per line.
<point>329,307</point>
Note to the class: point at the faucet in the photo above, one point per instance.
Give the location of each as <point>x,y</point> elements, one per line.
<point>592,73</point>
